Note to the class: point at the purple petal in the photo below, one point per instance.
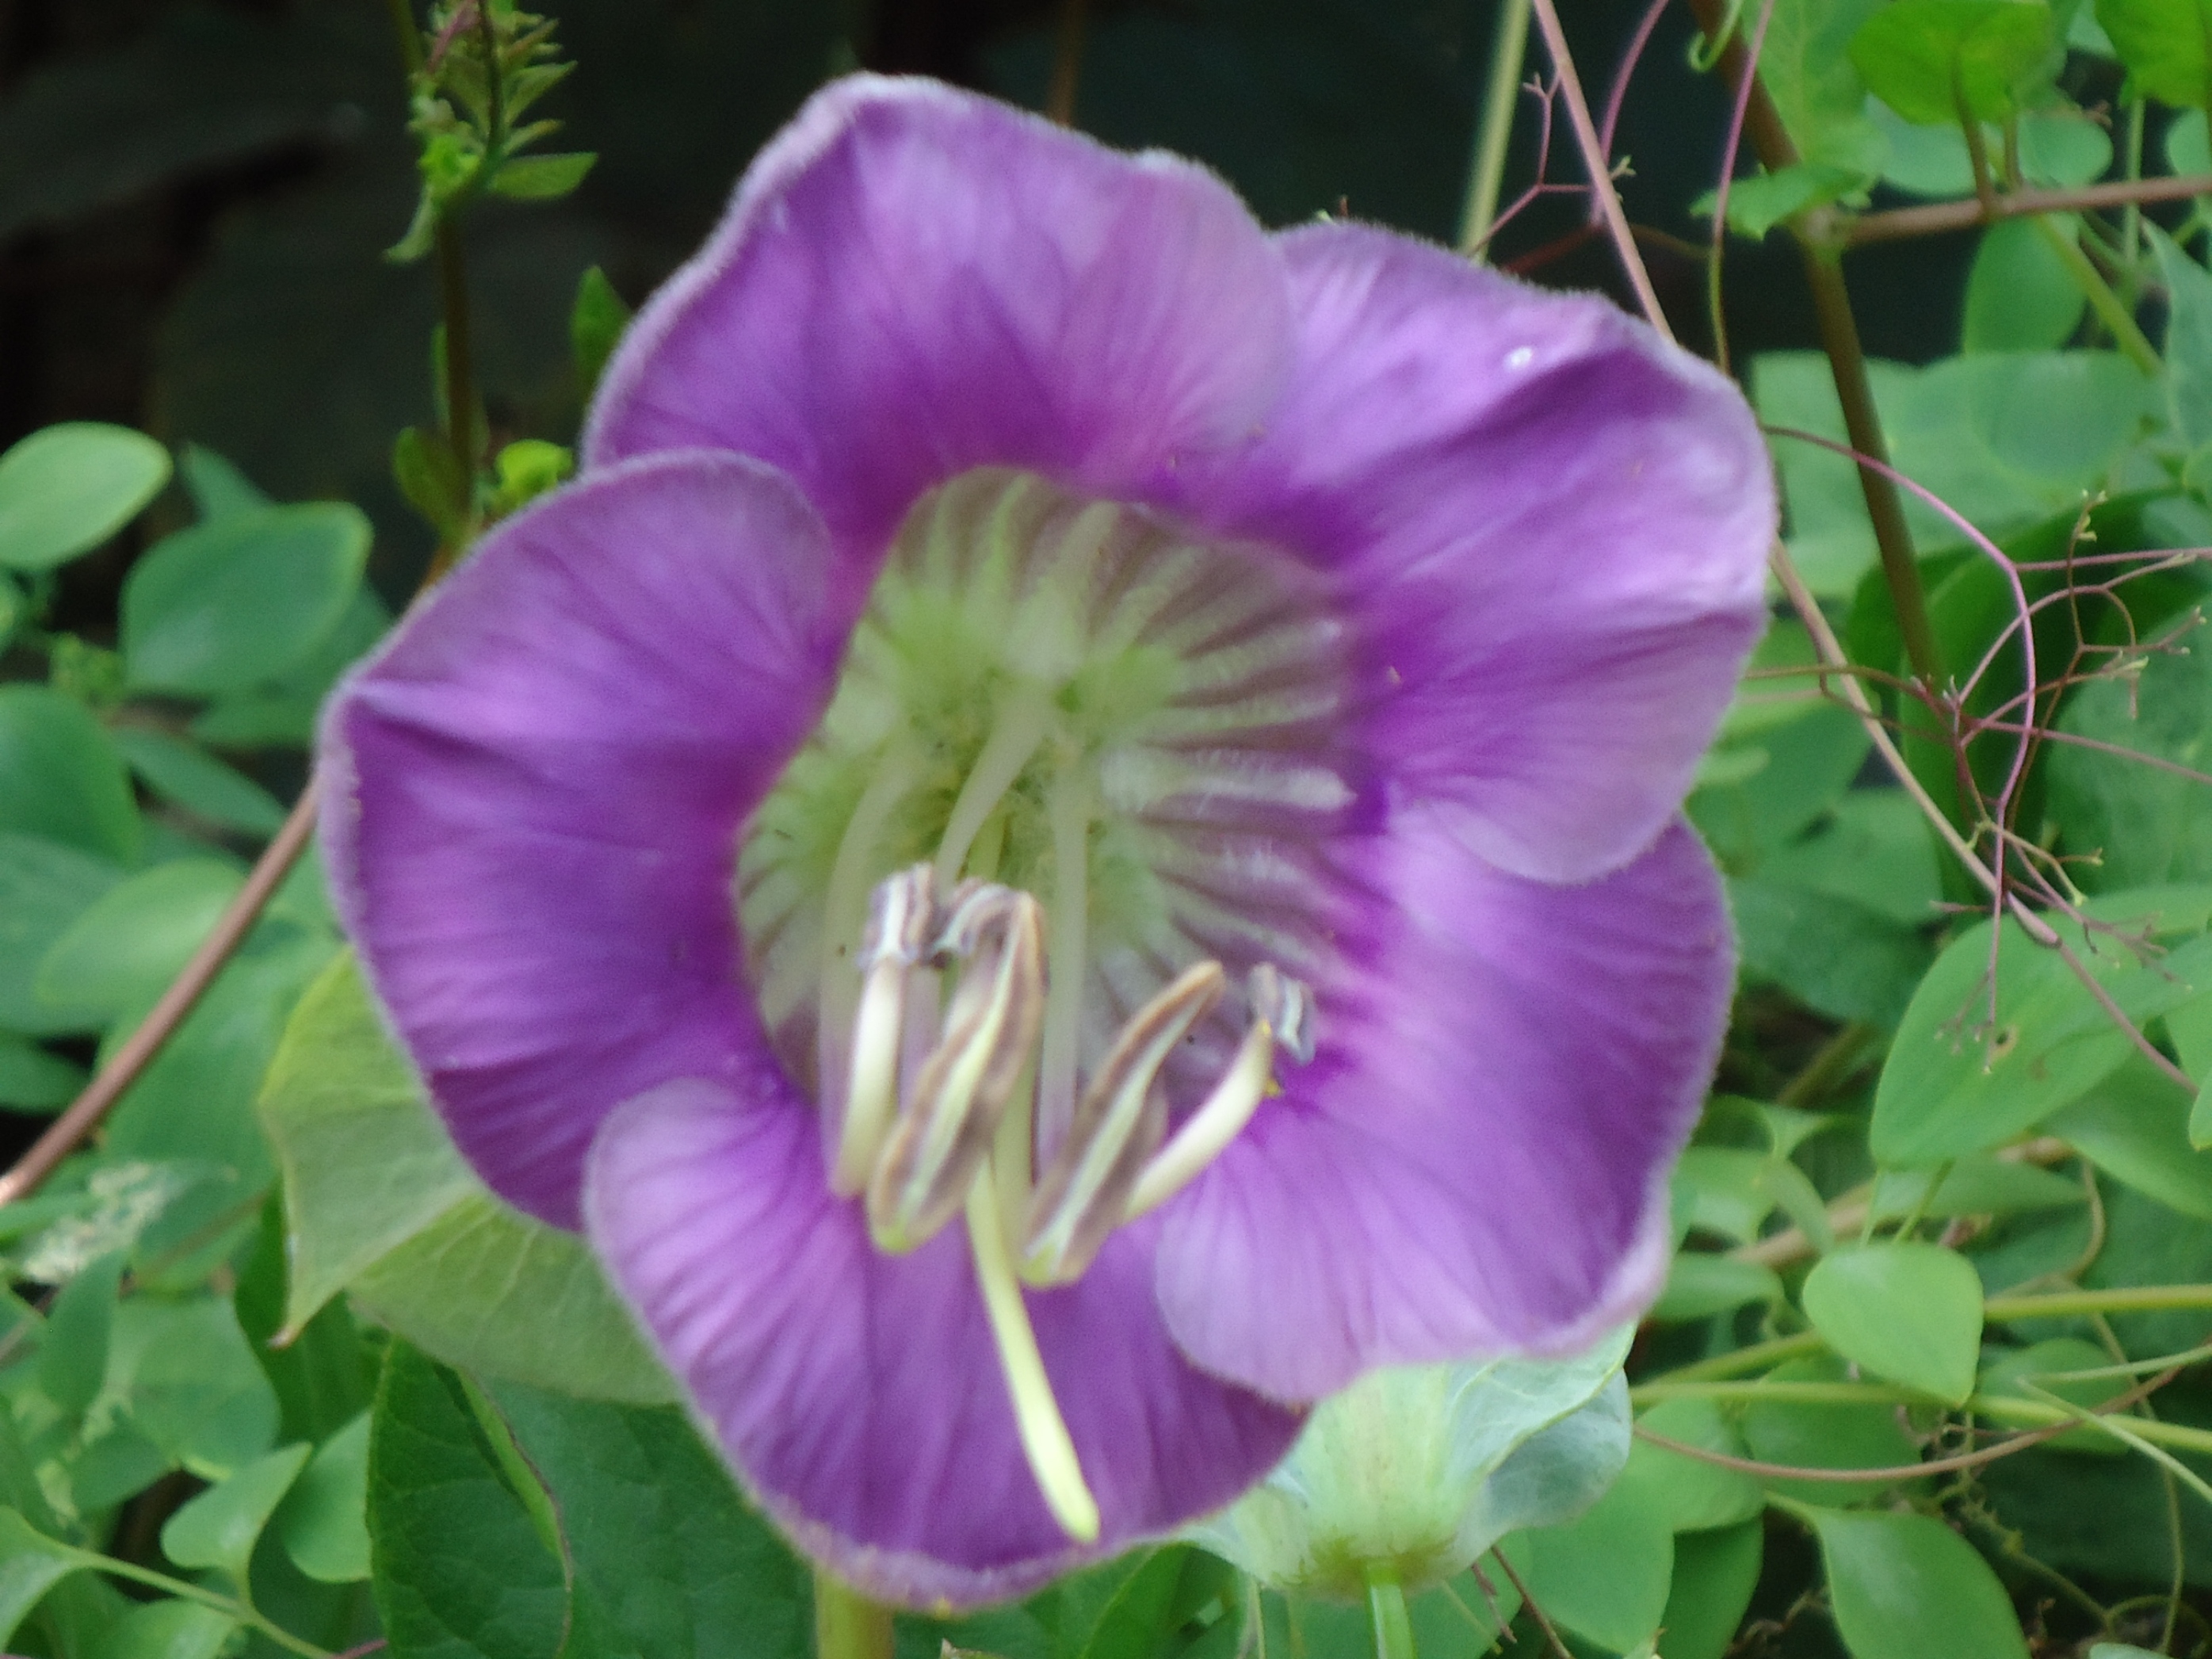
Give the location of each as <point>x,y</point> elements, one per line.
<point>913,280</point>
<point>532,795</point>
<point>1475,1161</point>
<point>1550,527</point>
<point>858,1395</point>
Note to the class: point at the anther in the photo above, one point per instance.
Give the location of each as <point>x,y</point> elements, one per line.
<point>902,923</point>
<point>1118,1125</point>
<point>1282,1009</point>
<point>930,1160</point>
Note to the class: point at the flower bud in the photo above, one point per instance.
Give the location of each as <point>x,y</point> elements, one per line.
<point>1412,1473</point>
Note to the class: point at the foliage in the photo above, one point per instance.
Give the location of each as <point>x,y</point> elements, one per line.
<point>277,1375</point>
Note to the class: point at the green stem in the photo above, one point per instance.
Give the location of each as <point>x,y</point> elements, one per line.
<point>1386,1605</point>
<point>847,1624</point>
<point>1494,134</point>
<point>1756,1358</point>
<point>2066,1304</point>
<point>1840,338</point>
<point>1793,1394</point>
<point>409,36</point>
<point>184,1591</point>
<point>460,381</point>
<point>2107,305</point>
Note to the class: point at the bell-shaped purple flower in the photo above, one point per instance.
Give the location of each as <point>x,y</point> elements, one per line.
<point>1070,837</point>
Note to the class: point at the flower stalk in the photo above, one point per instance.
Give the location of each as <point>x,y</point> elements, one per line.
<point>1386,1608</point>
<point>846,1624</point>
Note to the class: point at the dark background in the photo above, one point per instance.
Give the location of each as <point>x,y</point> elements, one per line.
<point>194,194</point>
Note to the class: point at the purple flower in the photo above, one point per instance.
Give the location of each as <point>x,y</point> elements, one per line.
<point>1070,837</point>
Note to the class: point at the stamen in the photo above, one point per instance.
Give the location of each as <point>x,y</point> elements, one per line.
<point>1024,714</point>
<point>1069,807</point>
<point>845,907</point>
<point>1120,1123</point>
<point>989,1039</point>
<point>1037,1420</point>
<point>1281,1006</point>
<point>902,927</point>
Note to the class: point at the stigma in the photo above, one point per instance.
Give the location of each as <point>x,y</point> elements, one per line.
<point>940,1117</point>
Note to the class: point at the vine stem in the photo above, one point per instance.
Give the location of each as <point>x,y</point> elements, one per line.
<point>1066,64</point>
<point>99,1096</point>
<point>1935,217</point>
<point>1599,167</point>
<point>847,1624</point>
<point>1494,133</point>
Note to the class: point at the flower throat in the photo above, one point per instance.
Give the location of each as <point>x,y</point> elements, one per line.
<point>1076,777</point>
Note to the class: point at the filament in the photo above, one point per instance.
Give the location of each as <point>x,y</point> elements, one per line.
<point>1037,1420</point>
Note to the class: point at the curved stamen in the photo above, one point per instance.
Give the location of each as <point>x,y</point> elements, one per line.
<point>1045,1441</point>
<point>902,927</point>
<point>1119,1124</point>
<point>1280,1005</point>
<point>990,1035</point>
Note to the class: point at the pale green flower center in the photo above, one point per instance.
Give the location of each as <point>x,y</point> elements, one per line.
<point>1033,910</point>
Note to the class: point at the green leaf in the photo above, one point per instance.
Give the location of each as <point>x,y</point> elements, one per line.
<point>2146,825</point>
<point>2166,45</point>
<point>460,1568</point>
<point>34,1080</point>
<point>194,1388</point>
<point>1758,203</point>
<point>190,778</point>
<point>30,1564</point>
<point>240,599</point>
<point>1693,1494</point>
<point>1805,767</point>
<point>1873,847</point>
<point>1972,1185</point>
<point>61,777</point>
<point>1823,1437</point>
<point>542,178</point>
<point>1605,1575</point>
<point>2188,339</point>
<point>220,1528</point>
<point>1700,1284</point>
<point>1910,1312</point>
<point>2031,1373</point>
<point>1938,61</point>
<point>2020,296</point>
<point>1836,955</point>
<point>196,1099</point>
<point>168,1630</point>
<point>1954,1083</point>
<point>430,474</point>
<point>282,712</point>
<point>322,1520</point>
<point>381,1203</point>
<point>2133,1126</point>
<point>1904,1587</point>
<point>595,328</point>
<point>366,1167</point>
<point>73,1357</point>
<point>1718,1189</point>
<point>526,469</point>
<point>125,948</point>
<point>65,490</point>
<point>1816,88</point>
<point>218,489</point>
<point>1715,1573</point>
<point>677,1560</point>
